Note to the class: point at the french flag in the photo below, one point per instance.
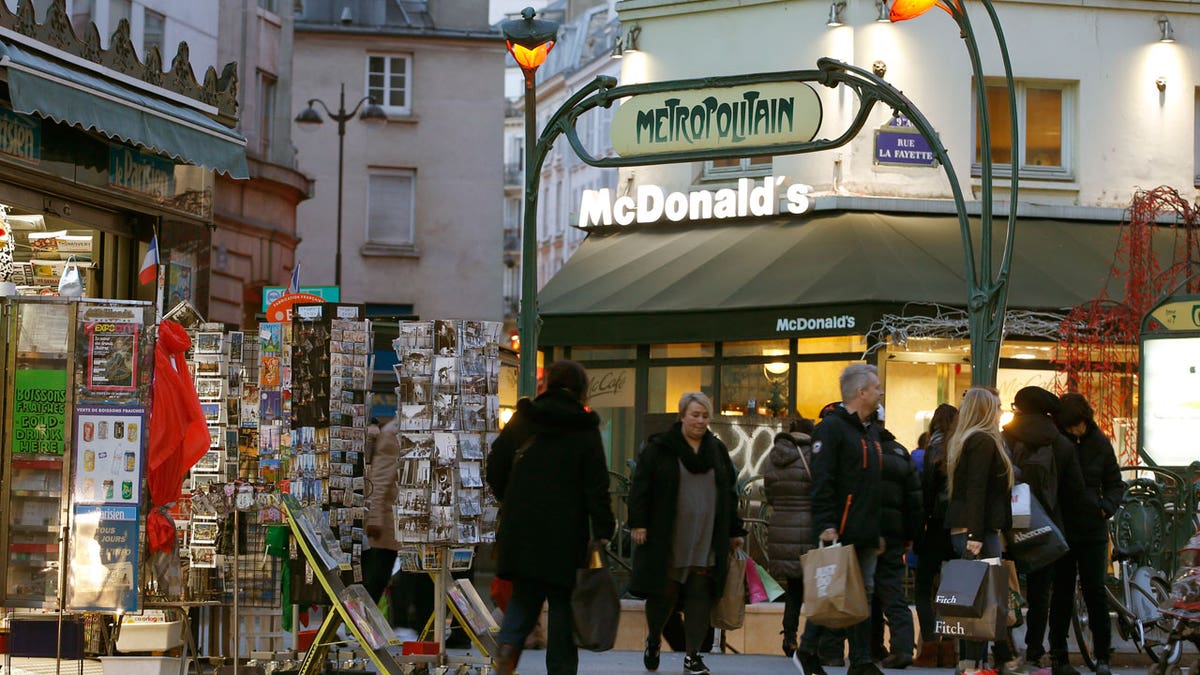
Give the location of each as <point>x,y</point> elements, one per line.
<point>149,271</point>
<point>294,284</point>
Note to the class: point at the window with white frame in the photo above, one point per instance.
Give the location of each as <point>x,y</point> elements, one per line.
<point>737,167</point>
<point>389,83</point>
<point>154,27</point>
<point>1045,127</point>
<point>390,208</point>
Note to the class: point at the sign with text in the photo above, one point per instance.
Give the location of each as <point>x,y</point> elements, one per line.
<point>20,136</point>
<point>112,355</point>
<point>108,454</point>
<point>39,406</point>
<point>140,172</point>
<point>102,575</point>
<point>741,116</point>
<point>899,143</point>
<point>280,311</point>
<point>327,293</point>
<point>611,387</point>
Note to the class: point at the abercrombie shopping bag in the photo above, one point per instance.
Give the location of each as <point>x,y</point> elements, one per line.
<point>991,625</point>
<point>960,592</point>
<point>834,594</point>
<point>1038,545</point>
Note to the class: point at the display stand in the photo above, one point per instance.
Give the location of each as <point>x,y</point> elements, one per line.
<point>329,577</point>
<point>475,620</point>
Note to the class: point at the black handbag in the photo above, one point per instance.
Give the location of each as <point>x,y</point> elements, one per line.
<point>1038,545</point>
<point>595,605</point>
<point>961,591</point>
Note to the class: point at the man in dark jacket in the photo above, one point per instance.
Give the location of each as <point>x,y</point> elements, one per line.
<point>846,458</point>
<point>1087,533</point>
<point>548,470</point>
<point>1031,430</point>
<point>902,518</point>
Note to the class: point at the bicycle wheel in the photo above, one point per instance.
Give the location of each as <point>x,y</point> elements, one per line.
<point>1156,632</point>
<point>1080,623</point>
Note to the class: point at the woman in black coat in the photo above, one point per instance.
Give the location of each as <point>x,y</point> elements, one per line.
<point>548,470</point>
<point>934,547</point>
<point>1086,530</point>
<point>684,521</point>
<point>980,478</point>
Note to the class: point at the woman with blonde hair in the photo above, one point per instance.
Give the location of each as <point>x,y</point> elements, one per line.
<point>980,479</point>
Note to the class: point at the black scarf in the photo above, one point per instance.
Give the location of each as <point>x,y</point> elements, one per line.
<point>695,461</point>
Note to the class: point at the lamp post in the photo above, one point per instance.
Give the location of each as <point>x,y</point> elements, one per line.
<point>310,118</point>
<point>529,40</point>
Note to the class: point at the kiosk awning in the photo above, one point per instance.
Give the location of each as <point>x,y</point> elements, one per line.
<point>834,260</point>
<point>41,86</point>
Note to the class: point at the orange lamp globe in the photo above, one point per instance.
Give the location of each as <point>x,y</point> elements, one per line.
<point>527,58</point>
<point>903,10</point>
<point>529,40</point>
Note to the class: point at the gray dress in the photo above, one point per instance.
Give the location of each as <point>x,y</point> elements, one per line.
<point>695,513</point>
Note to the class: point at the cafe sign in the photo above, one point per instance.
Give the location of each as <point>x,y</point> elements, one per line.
<point>742,116</point>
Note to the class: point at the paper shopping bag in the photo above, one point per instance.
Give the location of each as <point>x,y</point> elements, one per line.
<point>960,592</point>
<point>1021,506</point>
<point>834,594</point>
<point>729,611</point>
<point>992,622</point>
<point>754,584</point>
<point>1038,545</point>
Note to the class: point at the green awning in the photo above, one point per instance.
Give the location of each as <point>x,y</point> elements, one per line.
<point>44,87</point>
<point>626,277</point>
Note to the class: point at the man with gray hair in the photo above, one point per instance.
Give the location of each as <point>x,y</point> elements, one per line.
<point>846,470</point>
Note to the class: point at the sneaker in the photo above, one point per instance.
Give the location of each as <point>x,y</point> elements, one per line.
<point>789,644</point>
<point>1102,667</point>
<point>1017,666</point>
<point>694,665</point>
<point>897,661</point>
<point>868,668</point>
<point>807,664</point>
<point>650,657</point>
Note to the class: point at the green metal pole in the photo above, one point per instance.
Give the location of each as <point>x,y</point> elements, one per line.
<point>527,328</point>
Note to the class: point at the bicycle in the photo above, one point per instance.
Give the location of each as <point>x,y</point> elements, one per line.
<point>1140,589</point>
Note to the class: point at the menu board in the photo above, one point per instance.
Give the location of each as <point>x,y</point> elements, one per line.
<point>108,455</point>
<point>39,406</point>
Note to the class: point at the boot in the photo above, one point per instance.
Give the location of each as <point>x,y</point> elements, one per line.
<point>947,654</point>
<point>789,644</point>
<point>1102,667</point>
<point>929,655</point>
<point>504,662</point>
<point>1059,665</point>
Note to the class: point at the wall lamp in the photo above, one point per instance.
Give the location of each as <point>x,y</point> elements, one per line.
<point>837,10</point>
<point>1167,33</point>
<point>627,42</point>
<point>884,14</point>
<point>1161,83</point>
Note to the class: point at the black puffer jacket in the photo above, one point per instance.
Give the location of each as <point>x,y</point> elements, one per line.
<point>980,500</point>
<point>788,483</point>
<point>1103,488</point>
<point>550,495</point>
<point>1035,431</point>
<point>901,512</point>
<point>846,456</point>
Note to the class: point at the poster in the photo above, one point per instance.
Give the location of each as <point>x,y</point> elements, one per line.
<point>102,575</point>
<point>108,455</point>
<point>39,408</point>
<point>112,355</point>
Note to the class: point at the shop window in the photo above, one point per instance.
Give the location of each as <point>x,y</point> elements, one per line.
<point>611,395</point>
<point>667,385</point>
<point>687,350</point>
<point>755,389</point>
<point>817,384</point>
<point>756,348</point>
<point>390,211</point>
<point>389,83</point>
<point>154,26</point>
<point>603,352</point>
<point>838,344</point>
<point>1045,124</point>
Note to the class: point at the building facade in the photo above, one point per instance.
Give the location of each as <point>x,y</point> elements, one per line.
<point>419,230</point>
<point>860,255</point>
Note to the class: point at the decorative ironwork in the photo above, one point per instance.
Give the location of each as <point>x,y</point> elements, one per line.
<point>56,31</point>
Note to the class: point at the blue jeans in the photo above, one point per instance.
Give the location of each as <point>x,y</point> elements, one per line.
<point>859,635</point>
<point>562,658</point>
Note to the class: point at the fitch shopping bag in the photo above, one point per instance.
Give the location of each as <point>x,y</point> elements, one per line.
<point>834,594</point>
<point>992,622</point>
<point>729,611</point>
<point>960,591</point>
<point>1021,505</point>
<point>1038,545</point>
<point>595,605</point>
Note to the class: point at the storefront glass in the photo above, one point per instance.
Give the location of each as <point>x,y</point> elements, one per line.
<point>816,385</point>
<point>682,350</point>
<point>755,389</point>
<point>611,396</point>
<point>838,344</point>
<point>756,348</point>
<point>668,384</point>
<point>601,352</point>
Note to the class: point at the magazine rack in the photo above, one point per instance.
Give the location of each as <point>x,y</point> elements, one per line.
<point>361,618</point>
<point>460,596</point>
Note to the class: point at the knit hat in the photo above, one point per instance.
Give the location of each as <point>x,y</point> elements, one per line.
<point>1036,401</point>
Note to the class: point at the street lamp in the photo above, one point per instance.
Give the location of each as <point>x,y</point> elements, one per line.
<point>529,40</point>
<point>309,118</point>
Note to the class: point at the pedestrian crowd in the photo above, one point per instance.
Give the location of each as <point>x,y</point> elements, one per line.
<point>844,479</point>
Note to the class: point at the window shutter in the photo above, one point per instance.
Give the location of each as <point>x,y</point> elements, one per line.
<point>390,209</point>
